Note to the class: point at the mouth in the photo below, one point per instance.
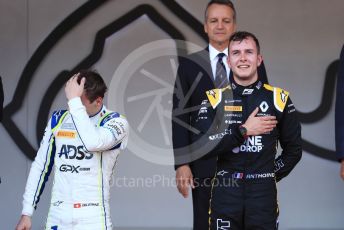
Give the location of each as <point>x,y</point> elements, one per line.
<point>243,66</point>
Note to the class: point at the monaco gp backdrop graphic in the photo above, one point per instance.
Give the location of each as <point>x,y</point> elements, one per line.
<point>157,98</point>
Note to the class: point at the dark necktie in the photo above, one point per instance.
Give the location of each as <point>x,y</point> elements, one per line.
<point>221,80</point>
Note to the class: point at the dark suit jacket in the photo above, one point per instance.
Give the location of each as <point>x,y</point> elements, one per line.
<point>339,117</point>
<point>1,99</point>
<point>194,78</point>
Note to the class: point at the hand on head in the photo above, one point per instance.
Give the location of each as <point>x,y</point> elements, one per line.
<point>73,88</point>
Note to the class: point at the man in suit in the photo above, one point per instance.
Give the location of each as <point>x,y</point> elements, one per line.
<point>198,73</point>
<point>340,114</point>
<point>1,99</point>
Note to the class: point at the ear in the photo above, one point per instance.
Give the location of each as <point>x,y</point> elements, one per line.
<point>205,27</point>
<point>229,64</point>
<point>260,59</point>
<point>99,101</point>
<point>235,27</point>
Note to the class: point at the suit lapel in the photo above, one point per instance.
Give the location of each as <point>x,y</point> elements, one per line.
<point>207,65</point>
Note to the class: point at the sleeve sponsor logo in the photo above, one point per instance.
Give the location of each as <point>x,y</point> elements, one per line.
<point>220,135</point>
<point>204,108</point>
<point>116,127</point>
<point>280,98</point>
<point>278,165</point>
<point>291,108</point>
<point>283,97</point>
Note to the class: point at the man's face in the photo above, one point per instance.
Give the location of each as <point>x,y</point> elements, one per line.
<point>219,24</point>
<point>91,107</point>
<point>244,59</point>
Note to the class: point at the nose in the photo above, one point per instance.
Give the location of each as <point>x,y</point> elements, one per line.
<point>220,25</point>
<point>243,57</point>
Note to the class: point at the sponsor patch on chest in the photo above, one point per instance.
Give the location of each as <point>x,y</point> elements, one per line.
<point>66,134</point>
<point>233,108</point>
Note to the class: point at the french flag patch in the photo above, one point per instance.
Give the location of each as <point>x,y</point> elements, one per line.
<point>238,175</point>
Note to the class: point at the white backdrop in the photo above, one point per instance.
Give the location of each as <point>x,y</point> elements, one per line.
<point>299,40</point>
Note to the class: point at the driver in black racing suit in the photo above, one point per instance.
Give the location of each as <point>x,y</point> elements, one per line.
<point>244,194</point>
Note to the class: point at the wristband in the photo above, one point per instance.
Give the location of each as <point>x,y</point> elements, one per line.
<point>243,131</point>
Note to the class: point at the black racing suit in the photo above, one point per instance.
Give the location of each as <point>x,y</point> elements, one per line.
<point>244,194</point>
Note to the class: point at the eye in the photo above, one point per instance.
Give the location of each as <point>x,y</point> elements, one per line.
<point>213,20</point>
<point>235,52</point>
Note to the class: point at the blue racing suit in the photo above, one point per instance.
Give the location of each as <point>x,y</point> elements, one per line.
<point>83,151</point>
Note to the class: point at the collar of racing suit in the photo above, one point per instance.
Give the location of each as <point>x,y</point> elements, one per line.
<point>246,90</point>
<point>99,114</point>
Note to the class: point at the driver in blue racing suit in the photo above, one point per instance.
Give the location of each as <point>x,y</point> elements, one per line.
<point>81,145</point>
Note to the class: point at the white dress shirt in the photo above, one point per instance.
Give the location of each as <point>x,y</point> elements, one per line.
<point>213,60</point>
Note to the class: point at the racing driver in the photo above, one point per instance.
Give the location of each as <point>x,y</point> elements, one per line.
<point>244,194</point>
<point>82,145</point>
